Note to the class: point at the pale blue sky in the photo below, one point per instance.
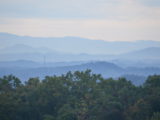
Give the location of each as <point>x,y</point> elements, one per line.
<point>113,20</point>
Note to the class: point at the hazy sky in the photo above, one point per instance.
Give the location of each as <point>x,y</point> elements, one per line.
<point>112,20</point>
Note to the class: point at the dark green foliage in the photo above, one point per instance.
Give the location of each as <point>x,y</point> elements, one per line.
<point>79,96</point>
<point>156,116</point>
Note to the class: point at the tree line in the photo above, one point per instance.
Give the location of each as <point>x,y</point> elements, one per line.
<point>81,95</point>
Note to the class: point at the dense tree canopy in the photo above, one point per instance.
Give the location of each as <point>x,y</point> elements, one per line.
<point>79,96</point>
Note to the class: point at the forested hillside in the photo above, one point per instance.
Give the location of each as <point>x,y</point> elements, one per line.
<point>79,96</point>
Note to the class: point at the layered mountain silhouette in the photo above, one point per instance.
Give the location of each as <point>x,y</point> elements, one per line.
<point>77,45</point>
<point>144,57</point>
<point>106,69</point>
<point>27,57</point>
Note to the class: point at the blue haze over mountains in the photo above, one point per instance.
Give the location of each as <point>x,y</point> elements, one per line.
<point>26,57</point>
<point>76,44</point>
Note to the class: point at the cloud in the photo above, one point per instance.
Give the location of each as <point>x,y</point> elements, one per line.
<point>111,30</point>
<point>149,3</point>
<point>97,19</point>
<point>75,8</point>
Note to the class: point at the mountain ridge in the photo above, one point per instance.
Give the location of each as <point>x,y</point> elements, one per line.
<point>77,45</point>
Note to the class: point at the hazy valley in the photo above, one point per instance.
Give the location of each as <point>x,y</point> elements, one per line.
<point>26,57</point>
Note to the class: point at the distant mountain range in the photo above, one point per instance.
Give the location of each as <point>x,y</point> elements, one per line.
<point>144,57</point>
<point>21,48</point>
<point>27,57</point>
<point>151,52</point>
<point>76,45</point>
<point>25,52</point>
<point>106,69</point>
<point>148,57</point>
<point>32,64</point>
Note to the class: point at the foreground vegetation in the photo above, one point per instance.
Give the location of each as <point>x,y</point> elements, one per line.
<point>79,96</point>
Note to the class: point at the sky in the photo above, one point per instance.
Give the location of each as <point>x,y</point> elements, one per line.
<point>110,20</point>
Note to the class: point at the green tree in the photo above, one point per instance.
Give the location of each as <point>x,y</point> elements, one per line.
<point>156,116</point>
